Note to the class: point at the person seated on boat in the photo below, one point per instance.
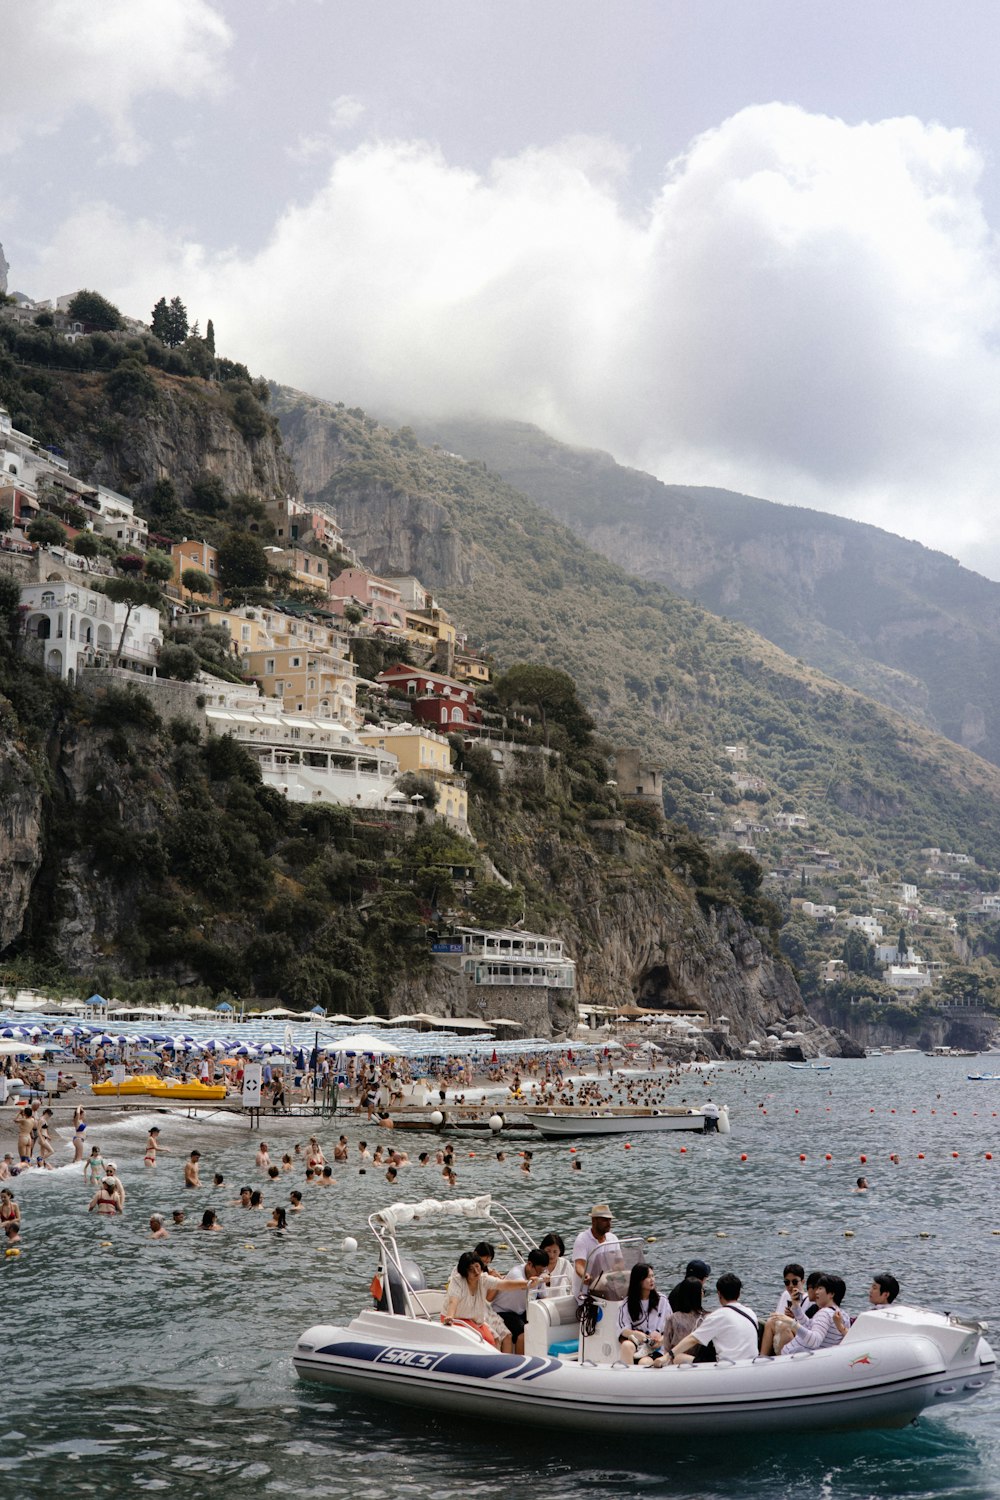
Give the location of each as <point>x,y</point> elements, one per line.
<point>560,1282</point>
<point>883,1290</point>
<point>710,1112</point>
<point>820,1326</point>
<point>794,1278</point>
<point>641,1318</point>
<point>686,1312</point>
<point>487,1254</point>
<point>781,1326</point>
<point>732,1327</point>
<point>467,1300</point>
<point>594,1245</point>
<point>511,1304</point>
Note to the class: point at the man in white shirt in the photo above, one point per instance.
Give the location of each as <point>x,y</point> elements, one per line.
<point>597,1237</point>
<point>732,1328</point>
<point>511,1307</point>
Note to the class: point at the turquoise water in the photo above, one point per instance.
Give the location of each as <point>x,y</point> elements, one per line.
<point>136,1366</point>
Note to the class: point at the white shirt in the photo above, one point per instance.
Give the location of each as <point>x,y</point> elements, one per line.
<point>515,1300</point>
<point>732,1332</point>
<point>583,1247</point>
<point>647,1321</point>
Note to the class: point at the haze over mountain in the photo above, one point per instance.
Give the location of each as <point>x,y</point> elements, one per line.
<point>905,624</point>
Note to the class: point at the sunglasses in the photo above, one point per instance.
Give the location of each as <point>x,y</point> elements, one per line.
<point>793,1280</point>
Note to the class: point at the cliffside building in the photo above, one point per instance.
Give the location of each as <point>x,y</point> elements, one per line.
<point>425,753</point>
<point>444,702</point>
<point>311,760</point>
<point>68,627</point>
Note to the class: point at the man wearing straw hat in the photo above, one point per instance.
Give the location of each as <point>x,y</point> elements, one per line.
<point>597,1237</point>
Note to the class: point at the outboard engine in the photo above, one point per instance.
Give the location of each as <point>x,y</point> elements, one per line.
<point>393,1298</point>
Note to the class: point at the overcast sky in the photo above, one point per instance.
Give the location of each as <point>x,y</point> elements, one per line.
<point>740,242</point>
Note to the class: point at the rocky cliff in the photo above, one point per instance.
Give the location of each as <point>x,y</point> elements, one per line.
<point>896,620</point>
<point>177,428</point>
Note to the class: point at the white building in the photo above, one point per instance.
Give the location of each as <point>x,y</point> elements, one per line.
<point>817,910</point>
<point>312,760</point>
<point>78,627</point>
<point>868,925</point>
<point>907,977</point>
<point>907,893</point>
<point>789,820</point>
<point>515,957</point>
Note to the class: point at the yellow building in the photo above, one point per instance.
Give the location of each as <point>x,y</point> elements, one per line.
<point>428,754</point>
<point>246,631</point>
<point>471,668</point>
<point>200,555</point>
<point>317,683</point>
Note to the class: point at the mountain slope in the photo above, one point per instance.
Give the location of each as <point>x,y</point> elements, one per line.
<point>906,625</point>
<point>658,669</point>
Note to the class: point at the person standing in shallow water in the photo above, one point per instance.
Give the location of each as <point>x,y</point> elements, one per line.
<point>191,1178</point>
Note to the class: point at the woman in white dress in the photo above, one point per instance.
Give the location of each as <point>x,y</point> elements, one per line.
<point>467,1300</point>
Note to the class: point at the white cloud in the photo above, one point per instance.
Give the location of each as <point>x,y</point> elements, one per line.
<point>808,310</point>
<point>62,56</point>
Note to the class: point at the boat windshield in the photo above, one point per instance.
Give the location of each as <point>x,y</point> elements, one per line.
<point>609,1266</point>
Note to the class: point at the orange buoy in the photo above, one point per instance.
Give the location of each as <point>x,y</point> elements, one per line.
<point>684,1151</point>
<point>920,1156</point>
<point>862,1159</point>
<point>801,1157</point>
<point>989,1156</point>
<point>628,1145</point>
<point>743,1156</point>
<point>954,1153</point>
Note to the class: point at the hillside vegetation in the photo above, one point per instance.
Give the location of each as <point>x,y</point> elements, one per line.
<point>903,623</point>
<point>656,668</point>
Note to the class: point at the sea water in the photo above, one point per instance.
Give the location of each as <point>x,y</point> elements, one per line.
<point>132,1365</point>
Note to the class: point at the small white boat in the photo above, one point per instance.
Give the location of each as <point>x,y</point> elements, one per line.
<point>813,1067</point>
<point>620,1119</point>
<point>894,1363</point>
<point>983,1077</point>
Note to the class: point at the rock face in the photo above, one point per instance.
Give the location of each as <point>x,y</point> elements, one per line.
<point>187,432</point>
<point>898,621</point>
<point>20,837</point>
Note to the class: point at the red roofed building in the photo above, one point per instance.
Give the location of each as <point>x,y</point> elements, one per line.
<point>442,701</point>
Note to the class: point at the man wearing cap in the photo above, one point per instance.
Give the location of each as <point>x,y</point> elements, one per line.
<point>597,1237</point>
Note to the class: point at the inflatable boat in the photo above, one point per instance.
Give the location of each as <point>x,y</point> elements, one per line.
<point>894,1363</point>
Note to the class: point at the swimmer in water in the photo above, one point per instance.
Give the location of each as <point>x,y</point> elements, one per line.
<point>156,1229</point>
<point>263,1160</point>
<point>191,1178</point>
<point>153,1146</point>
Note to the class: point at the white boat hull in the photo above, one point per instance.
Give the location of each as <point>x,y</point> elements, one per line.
<point>891,1367</point>
<point>611,1122</point>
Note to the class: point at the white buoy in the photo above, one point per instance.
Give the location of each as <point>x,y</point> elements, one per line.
<point>724,1126</point>
<point>496,1123</point>
<point>437,1118</point>
<point>349,1243</point>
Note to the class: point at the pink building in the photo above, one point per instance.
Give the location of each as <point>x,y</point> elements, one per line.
<point>381,601</point>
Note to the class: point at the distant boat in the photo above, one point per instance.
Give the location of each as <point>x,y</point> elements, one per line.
<point>983,1077</point>
<point>572,1120</point>
<point>816,1067</point>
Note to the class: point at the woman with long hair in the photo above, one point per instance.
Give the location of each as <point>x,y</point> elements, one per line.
<point>686,1311</point>
<point>641,1318</point>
